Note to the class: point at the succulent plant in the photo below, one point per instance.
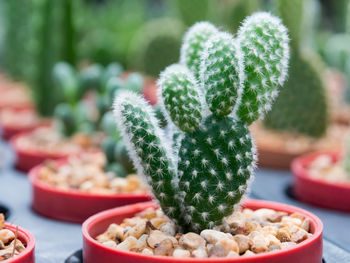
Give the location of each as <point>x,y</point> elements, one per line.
<point>15,55</point>
<point>156,45</point>
<point>52,41</point>
<point>202,168</point>
<point>305,86</point>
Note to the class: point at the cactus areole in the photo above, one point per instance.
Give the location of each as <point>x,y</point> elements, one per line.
<point>202,168</point>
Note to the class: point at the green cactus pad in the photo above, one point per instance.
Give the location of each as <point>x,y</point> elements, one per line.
<point>180,97</point>
<point>222,73</point>
<point>194,44</point>
<point>302,105</point>
<point>215,163</point>
<point>264,42</point>
<point>147,145</point>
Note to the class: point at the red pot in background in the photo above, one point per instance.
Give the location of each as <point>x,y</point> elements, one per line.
<point>74,206</point>
<point>334,195</point>
<point>309,251</point>
<point>27,255</point>
<point>10,130</point>
<point>27,159</point>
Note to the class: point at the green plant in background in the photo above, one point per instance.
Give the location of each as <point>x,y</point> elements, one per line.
<point>193,11</point>
<point>52,40</point>
<point>108,28</point>
<point>156,45</point>
<point>232,12</point>
<point>202,175</point>
<point>305,87</point>
<point>15,53</point>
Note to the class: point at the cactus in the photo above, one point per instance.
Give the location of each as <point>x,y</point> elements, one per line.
<point>155,45</point>
<point>51,42</point>
<point>16,55</point>
<point>199,176</point>
<point>304,89</point>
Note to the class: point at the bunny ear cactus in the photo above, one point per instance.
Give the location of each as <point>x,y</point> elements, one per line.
<point>200,178</point>
<point>304,90</point>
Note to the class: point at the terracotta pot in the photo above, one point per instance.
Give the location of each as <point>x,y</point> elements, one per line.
<point>8,131</point>
<point>309,251</point>
<point>27,255</point>
<point>334,195</point>
<point>278,159</point>
<point>74,206</point>
<point>27,159</point>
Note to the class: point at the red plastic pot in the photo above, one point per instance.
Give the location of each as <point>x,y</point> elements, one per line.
<point>8,131</point>
<point>27,255</point>
<point>74,206</point>
<point>309,251</point>
<point>27,159</point>
<point>322,193</point>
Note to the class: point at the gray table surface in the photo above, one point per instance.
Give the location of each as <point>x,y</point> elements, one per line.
<point>55,240</point>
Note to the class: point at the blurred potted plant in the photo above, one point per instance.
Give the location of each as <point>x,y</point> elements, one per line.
<point>323,178</point>
<point>299,120</point>
<point>17,244</point>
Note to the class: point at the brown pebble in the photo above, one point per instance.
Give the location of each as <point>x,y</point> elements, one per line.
<point>243,242</point>
<point>164,248</point>
<point>191,241</point>
<point>283,234</point>
<point>217,251</point>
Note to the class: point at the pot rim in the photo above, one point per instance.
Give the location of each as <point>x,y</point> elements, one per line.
<point>249,203</point>
<point>34,153</point>
<point>37,183</point>
<point>25,236</point>
<point>300,164</point>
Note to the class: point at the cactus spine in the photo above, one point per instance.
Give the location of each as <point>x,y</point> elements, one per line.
<point>200,177</point>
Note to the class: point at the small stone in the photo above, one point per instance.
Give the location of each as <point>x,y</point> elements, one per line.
<point>243,243</point>
<point>115,232</point>
<point>147,251</point>
<point>232,254</point>
<point>229,245</point>
<point>213,236</point>
<point>2,245</point>
<point>217,251</point>
<point>6,253</point>
<point>2,221</point>
<point>273,248</point>
<point>191,241</point>
<point>164,248</point>
<point>6,236</point>
<point>251,226</point>
<point>264,213</point>
<point>286,245</point>
<point>306,225</point>
<point>259,244</point>
<point>168,228</point>
<point>110,243</point>
<point>138,230</point>
<point>248,212</point>
<point>142,242</point>
<point>298,234</point>
<point>290,221</point>
<point>158,221</point>
<point>127,244</point>
<point>283,234</point>
<point>272,240</point>
<point>276,217</point>
<point>181,253</point>
<point>269,230</point>
<point>103,238</point>
<point>235,221</point>
<point>297,215</point>
<point>248,253</point>
<point>156,237</point>
<point>200,253</point>
<point>148,214</point>
<point>18,245</point>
